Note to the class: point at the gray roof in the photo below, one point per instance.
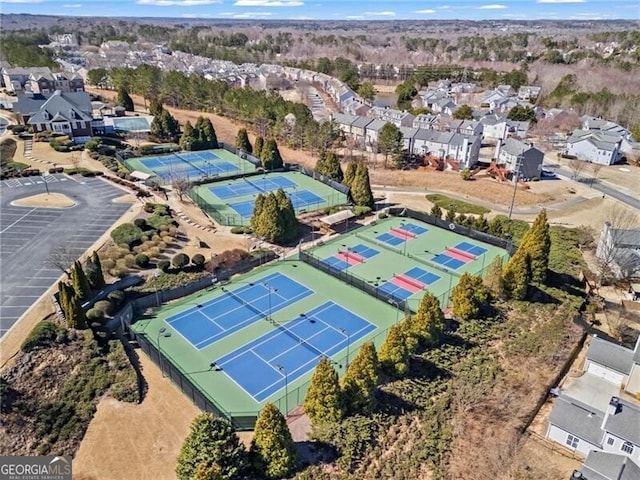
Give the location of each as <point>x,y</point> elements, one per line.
<point>376,125</point>
<point>599,139</point>
<point>629,237</point>
<point>515,147</point>
<point>459,138</point>
<point>434,136</point>
<point>610,355</point>
<point>608,466</point>
<point>625,423</point>
<point>60,106</point>
<point>361,122</point>
<point>408,132</point>
<point>578,419</point>
<point>344,119</point>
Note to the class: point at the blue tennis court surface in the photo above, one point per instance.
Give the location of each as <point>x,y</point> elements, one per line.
<point>336,263</point>
<point>423,276</point>
<point>364,251</point>
<point>395,291</point>
<point>413,228</point>
<point>447,261</point>
<point>390,239</point>
<point>207,323</point>
<point>474,250</point>
<point>252,187</point>
<point>259,367</point>
<point>299,199</point>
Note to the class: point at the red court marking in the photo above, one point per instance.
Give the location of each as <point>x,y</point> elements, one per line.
<point>405,285</point>
<point>349,258</point>
<point>454,254</point>
<point>470,256</point>
<point>402,233</point>
<point>411,281</point>
<point>358,257</point>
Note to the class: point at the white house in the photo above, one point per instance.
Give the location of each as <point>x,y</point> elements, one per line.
<point>399,118</point>
<point>529,92</point>
<point>607,466</point>
<point>464,149</point>
<point>620,250</point>
<point>605,126</point>
<point>344,121</point>
<point>593,417</point>
<point>495,126</point>
<point>372,131</point>
<point>595,147</point>
<point>424,120</point>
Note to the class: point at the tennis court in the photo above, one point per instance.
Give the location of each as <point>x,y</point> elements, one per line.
<point>231,202</point>
<point>408,262</point>
<point>234,362</point>
<point>191,165</point>
<point>294,348</point>
<point>208,322</point>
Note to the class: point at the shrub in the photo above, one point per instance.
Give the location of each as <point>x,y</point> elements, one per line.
<point>164,228</point>
<point>153,252</point>
<point>129,260</point>
<point>105,306</point>
<point>140,223</point>
<point>107,263</point>
<point>180,260</point>
<point>173,230</point>
<point>361,210</point>
<point>161,245</point>
<point>198,259</point>
<point>241,230</point>
<point>116,297</point>
<point>164,265</point>
<point>156,220</point>
<point>118,271</point>
<point>95,314</point>
<point>43,334</point>
<point>141,260</point>
<point>126,233</point>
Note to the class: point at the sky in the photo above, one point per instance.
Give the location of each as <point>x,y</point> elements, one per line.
<point>336,9</point>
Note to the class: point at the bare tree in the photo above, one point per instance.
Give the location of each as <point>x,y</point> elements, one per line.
<point>181,186</point>
<point>62,257</point>
<point>615,253</point>
<point>576,166</point>
<point>595,170</point>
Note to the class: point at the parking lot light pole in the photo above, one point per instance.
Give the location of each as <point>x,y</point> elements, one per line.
<point>162,332</point>
<point>346,334</point>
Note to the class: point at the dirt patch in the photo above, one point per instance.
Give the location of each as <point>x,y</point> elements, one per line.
<point>45,200</point>
<point>137,441</point>
<point>43,151</point>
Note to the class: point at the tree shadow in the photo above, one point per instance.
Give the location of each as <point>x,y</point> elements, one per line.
<point>537,295</point>
<point>567,283</point>
<point>315,452</point>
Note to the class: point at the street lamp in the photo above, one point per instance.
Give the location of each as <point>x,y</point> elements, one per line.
<point>156,275</point>
<point>286,389</point>
<point>346,334</point>
<point>162,332</point>
<point>516,176</point>
<point>394,303</point>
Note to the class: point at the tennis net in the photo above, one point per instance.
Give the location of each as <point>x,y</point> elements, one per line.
<point>187,161</point>
<point>246,304</point>
<point>296,337</point>
<point>254,185</point>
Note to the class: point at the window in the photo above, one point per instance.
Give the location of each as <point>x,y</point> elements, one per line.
<point>627,448</point>
<point>572,441</point>
<point>611,441</point>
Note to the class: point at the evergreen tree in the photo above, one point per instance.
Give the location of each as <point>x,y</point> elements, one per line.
<point>517,275</point>
<point>257,212</point>
<point>124,100</point>
<point>481,224</point>
<point>463,112</point>
<point>360,381</point>
<point>268,223</point>
<point>188,137</point>
<point>209,137</point>
<point>333,169</point>
<point>360,187</point>
<point>214,441</point>
<point>537,243</point>
<point>493,277</point>
<point>286,217</point>
<point>80,282</point>
<point>323,403</point>
<point>64,299</point>
<point>93,269</point>
<point>321,164</point>
<point>207,471</point>
<point>242,141</point>
<point>77,318</point>
<point>165,126</point>
<point>257,147</point>
<point>350,173</point>
<point>469,296</point>
<point>436,211</point>
<point>155,106</point>
<point>273,453</point>
<point>270,155</point>
<point>394,353</point>
<point>428,322</point>
<point>451,215</point>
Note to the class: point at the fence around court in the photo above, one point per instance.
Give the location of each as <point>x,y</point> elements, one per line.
<point>321,178</point>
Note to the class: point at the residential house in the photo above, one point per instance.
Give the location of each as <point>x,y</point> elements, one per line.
<point>503,105</point>
<point>520,157</point>
<point>357,108</point>
<point>492,97</point>
<point>463,87</point>
<point>344,121</point>
<point>605,126</point>
<point>400,118</point>
<point>463,149</point>
<point>424,120</point>
<point>495,126</point>
<point>346,97</point>
<point>595,147</point>
<point>620,249</point>
<point>358,129</point>
<point>372,132</point>
<point>607,466</point>
<point>408,135</point>
<point>15,79</point>
<point>68,113</point>
<point>506,90</point>
<point>445,106</point>
<point>466,127</point>
<point>431,97</point>
<point>529,93</point>
<point>518,128</point>
<point>582,427</point>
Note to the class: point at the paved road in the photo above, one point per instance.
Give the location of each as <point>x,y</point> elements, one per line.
<point>601,187</point>
<point>28,234</point>
<point>3,125</point>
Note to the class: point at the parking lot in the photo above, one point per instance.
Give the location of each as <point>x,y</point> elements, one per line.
<point>27,234</point>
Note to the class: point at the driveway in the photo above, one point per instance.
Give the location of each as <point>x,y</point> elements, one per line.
<point>27,234</point>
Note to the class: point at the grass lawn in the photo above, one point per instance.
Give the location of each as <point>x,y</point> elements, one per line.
<point>458,205</point>
<point>7,150</point>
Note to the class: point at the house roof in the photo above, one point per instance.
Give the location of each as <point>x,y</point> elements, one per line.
<point>608,466</point>
<point>361,122</point>
<point>408,132</point>
<point>625,423</point>
<point>60,106</point>
<point>577,418</point>
<point>344,118</point>
<point>433,136</point>
<point>515,147</point>
<point>600,140</point>
<point>376,125</point>
<point>610,355</point>
<point>458,139</point>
